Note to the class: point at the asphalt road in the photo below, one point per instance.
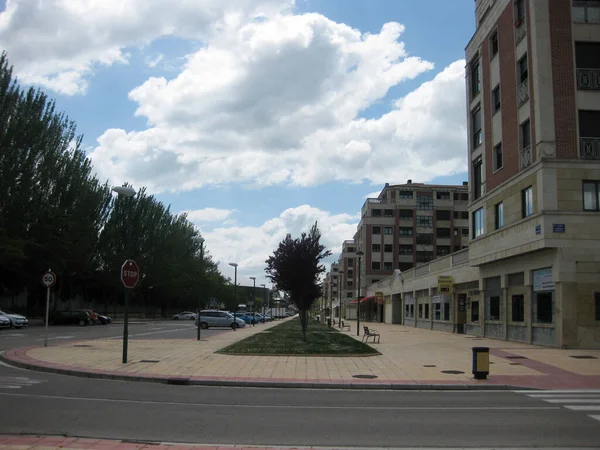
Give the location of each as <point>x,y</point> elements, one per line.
<point>43,403</point>
<point>34,334</point>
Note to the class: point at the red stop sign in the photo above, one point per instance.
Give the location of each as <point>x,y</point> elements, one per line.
<point>130,273</point>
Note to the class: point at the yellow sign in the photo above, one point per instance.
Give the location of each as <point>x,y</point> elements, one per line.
<point>445,285</point>
<point>379,297</point>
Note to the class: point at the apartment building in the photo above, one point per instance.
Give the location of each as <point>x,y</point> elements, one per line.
<point>346,271</point>
<point>531,272</point>
<point>410,224</point>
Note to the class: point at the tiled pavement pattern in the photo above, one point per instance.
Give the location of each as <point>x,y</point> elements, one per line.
<point>410,358</point>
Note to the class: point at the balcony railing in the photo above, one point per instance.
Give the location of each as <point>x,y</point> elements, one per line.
<point>586,12</point>
<point>588,79</point>
<point>523,92</point>
<point>526,157</point>
<point>520,30</point>
<point>589,147</point>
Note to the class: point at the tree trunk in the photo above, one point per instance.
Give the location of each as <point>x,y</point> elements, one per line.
<point>304,322</point>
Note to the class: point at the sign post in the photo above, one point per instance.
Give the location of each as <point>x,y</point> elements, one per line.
<point>48,280</point>
<point>130,275</point>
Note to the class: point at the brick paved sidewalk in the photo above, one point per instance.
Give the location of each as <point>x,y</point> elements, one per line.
<point>410,358</point>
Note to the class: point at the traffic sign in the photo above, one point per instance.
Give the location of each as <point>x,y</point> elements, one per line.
<point>130,273</point>
<point>48,279</point>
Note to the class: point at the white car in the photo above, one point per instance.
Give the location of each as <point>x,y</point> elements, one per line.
<point>4,322</point>
<point>185,315</point>
<point>16,320</point>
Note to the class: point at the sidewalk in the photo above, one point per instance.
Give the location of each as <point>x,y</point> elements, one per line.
<point>410,358</point>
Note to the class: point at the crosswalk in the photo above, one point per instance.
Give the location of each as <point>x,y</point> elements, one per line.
<point>585,400</point>
<point>18,382</point>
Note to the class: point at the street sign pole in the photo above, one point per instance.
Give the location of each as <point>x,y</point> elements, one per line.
<point>48,280</point>
<point>130,274</point>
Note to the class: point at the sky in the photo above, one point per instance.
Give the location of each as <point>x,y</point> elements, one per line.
<point>255,117</point>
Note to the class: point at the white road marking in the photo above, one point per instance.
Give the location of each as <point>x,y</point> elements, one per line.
<point>57,337</point>
<point>560,391</point>
<point>572,399</point>
<point>258,406</point>
<point>17,382</point>
<point>595,417</point>
<point>583,407</point>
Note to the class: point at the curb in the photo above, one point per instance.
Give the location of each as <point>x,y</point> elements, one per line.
<point>184,381</point>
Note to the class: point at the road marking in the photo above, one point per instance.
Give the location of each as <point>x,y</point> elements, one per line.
<point>13,334</point>
<point>583,407</point>
<point>565,395</point>
<point>362,408</point>
<point>155,332</point>
<point>572,399</point>
<point>18,382</point>
<point>560,391</point>
<point>595,417</point>
<point>57,337</point>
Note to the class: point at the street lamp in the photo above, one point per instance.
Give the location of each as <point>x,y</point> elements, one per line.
<point>200,240</point>
<point>264,286</point>
<point>340,306</point>
<point>253,299</point>
<point>126,192</point>
<point>359,254</point>
<point>235,266</point>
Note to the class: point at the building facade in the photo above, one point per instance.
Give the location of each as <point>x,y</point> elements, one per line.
<point>532,269</point>
<point>346,272</point>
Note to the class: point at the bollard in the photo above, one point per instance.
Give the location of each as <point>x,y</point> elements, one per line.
<point>481,362</point>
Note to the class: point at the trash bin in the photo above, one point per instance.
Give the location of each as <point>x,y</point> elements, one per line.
<point>481,362</point>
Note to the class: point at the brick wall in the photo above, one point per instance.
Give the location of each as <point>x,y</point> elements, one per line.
<point>563,78</point>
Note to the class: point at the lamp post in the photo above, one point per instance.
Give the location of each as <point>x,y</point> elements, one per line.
<point>340,307</point>
<point>126,192</point>
<point>253,300</point>
<point>200,240</point>
<point>264,286</point>
<point>235,266</point>
<point>359,254</point>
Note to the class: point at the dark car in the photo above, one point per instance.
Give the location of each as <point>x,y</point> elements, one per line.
<point>103,319</point>
<point>79,317</point>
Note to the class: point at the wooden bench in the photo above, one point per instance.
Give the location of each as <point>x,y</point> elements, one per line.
<point>370,332</point>
<point>345,326</point>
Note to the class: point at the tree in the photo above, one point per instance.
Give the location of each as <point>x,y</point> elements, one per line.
<point>295,267</point>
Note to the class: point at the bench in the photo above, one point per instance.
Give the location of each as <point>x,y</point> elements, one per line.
<point>345,326</point>
<point>370,332</point>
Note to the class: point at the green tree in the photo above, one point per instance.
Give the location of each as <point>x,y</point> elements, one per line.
<point>295,267</point>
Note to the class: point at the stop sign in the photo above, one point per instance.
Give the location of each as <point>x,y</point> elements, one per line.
<point>130,273</point>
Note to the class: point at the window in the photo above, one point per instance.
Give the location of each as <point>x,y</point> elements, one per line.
<point>446,310</point>
<point>465,232</point>
<point>375,213</point>
<point>496,99</point>
<point>443,250</point>
<point>388,230</point>
<point>477,178</point>
<point>437,310</point>
<point>424,239</point>
<point>476,127</point>
<point>388,248</point>
<point>350,273</point>
<point>493,309</point>
<point>442,214</point>
<point>518,308</point>
<point>349,283</point>
<point>499,215</point>
<point>494,44</point>
<point>427,310</point>
<point>443,232</point>
<point>464,215</point>
<point>443,195</point>
<point>586,12</point>
<point>388,266</point>
<point>498,157</point>
<point>405,194</point>
<point>388,213</point>
<point>597,304</point>
<point>351,249</point>
<point>405,249</point>
<point>376,265</point>
<point>420,310</point>
<point>424,202</point>
<point>519,11</point>
<point>525,134</point>
<point>375,248</point>
<point>405,214</point>
<point>475,77</point>
<point>350,262</point>
<point>478,223</point>
<point>424,257</point>
<point>349,294</point>
<point>475,311</point>
<point>591,195</point>
<point>376,230</point>
<point>527,201</point>
<point>425,221</point>
<point>544,308</point>
<point>523,72</point>
<point>404,231</point>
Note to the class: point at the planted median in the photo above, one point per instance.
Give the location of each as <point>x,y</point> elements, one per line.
<point>287,339</point>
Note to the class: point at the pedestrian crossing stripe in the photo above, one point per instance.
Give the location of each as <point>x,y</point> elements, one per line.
<point>572,399</point>
<point>18,382</point>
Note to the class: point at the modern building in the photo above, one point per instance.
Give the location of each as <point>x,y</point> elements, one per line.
<point>532,269</point>
<point>346,271</point>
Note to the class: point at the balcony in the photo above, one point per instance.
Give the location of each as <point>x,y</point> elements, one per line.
<point>589,148</point>
<point>523,92</point>
<point>526,157</point>
<point>588,79</point>
<point>520,30</point>
<point>586,12</point>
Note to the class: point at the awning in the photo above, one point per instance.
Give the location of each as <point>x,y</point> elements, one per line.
<point>362,300</point>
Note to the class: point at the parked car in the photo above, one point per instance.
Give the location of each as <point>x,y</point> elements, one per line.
<point>103,319</point>
<point>93,317</point>
<point>215,318</point>
<point>16,320</point>
<point>186,315</point>
<point>79,317</point>
<point>4,322</point>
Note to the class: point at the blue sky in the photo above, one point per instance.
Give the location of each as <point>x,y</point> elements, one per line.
<point>317,160</point>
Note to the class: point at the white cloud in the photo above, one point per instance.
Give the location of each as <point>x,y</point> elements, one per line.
<point>153,61</point>
<point>251,246</point>
<point>373,194</point>
<point>208,215</point>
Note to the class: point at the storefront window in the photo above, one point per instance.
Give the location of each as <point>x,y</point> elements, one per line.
<point>544,309</point>
<point>475,311</point>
